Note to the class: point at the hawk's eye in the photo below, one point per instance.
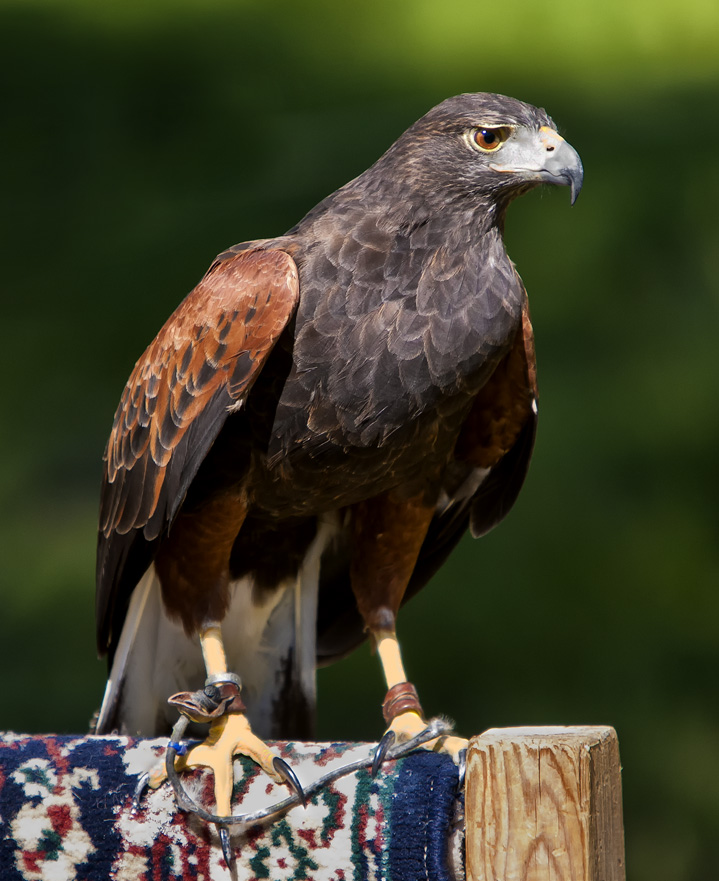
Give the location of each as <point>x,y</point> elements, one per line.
<point>490,139</point>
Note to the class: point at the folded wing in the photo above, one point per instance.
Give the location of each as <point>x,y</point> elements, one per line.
<point>199,368</point>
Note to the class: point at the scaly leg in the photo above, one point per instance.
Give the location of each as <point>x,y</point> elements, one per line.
<point>402,710</point>
<point>388,532</point>
<point>230,733</point>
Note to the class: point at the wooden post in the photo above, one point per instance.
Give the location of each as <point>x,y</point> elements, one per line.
<point>544,804</point>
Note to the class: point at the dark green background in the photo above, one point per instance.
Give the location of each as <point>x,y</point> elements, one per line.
<point>139,139</point>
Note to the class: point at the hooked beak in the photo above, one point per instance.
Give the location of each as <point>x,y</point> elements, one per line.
<point>545,157</point>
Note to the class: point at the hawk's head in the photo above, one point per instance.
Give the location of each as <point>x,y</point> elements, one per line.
<point>483,146</point>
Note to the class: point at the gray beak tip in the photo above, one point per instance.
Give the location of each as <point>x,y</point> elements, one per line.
<point>574,175</point>
<point>575,187</point>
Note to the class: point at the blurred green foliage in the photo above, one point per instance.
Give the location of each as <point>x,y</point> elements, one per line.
<point>141,138</point>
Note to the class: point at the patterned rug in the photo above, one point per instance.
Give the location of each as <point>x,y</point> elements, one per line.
<point>65,814</point>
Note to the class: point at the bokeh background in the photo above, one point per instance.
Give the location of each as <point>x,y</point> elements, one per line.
<point>142,137</point>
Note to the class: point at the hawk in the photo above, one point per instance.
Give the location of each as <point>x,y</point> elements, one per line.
<point>312,431</point>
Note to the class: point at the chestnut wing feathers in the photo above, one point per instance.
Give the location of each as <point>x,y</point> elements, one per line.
<point>203,361</point>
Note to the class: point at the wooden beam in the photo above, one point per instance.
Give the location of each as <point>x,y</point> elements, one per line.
<point>544,804</point>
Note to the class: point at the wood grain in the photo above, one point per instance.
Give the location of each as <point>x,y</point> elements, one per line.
<point>544,804</point>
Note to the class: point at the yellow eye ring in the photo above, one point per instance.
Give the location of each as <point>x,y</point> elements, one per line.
<point>489,139</point>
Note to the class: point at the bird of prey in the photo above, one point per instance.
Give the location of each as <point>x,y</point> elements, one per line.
<point>312,431</point>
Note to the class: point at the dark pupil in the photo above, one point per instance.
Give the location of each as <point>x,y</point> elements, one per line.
<point>488,137</point>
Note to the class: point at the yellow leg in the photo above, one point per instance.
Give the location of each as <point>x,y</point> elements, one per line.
<point>390,657</point>
<point>213,649</point>
<point>230,734</point>
<point>409,724</point>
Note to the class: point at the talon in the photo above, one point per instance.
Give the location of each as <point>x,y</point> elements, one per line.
<point>385,744</point>
<point>290,778</point>
<point>461,769</point>
<point>142,784</point>
<point>226,846</point>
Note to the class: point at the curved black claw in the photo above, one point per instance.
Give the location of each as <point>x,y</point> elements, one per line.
<point>461,770</point>
<point>290,778</point>
<point>140,788</point>
<point>226,847</point>
<point>385,744</point>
